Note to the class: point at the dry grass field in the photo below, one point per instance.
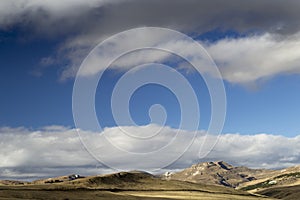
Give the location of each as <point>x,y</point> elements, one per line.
<point>25,192</point>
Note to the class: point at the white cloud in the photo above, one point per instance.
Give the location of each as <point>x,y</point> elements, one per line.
<point>58,150</point>
<point>47,147</point>
<point>140,46</point>
<point>248,59</point>
<point>113,48</point>
<point>259,151</point>
<point>243,60</point>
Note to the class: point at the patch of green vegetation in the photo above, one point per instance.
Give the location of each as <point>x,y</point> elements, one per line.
<point>267,183</point>
<point>295,174</point>
<point>264,184</point>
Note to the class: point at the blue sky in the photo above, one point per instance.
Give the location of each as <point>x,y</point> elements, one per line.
<point>29,100</point>
<point>43,44</point>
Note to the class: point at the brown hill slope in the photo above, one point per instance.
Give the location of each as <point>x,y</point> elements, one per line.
<point>287,193</point>
<point>11,182</point>
<point>219,173</point>
<point>209,180</point>
<point>123,185</point>
<point>283,185</point>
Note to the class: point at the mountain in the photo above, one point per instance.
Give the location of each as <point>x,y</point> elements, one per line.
<point>279,184</point>
<point>282,184</point>
<point>11,182</point>
<point>286,177</point>
<point>208,180</point>
<point>218,173</point>
<point>122,185</point>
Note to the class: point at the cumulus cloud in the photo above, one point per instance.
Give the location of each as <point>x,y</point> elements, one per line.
<point>22,147</point>
<point>144,45</point>
<point>86,23</point>
<point>258,151</point>
<point>240,60</point>
<point>248,59</point>
<point>57,150</point>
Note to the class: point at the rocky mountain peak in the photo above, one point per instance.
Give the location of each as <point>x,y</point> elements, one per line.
<point>224,165</point>
<point>216,173</point>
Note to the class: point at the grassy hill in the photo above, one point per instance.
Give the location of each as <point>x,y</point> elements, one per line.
<point>123,185</point>
<point>210,180</point>
<point>287,193</point>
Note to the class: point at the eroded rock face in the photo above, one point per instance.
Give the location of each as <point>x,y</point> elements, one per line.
<point>218,173</point>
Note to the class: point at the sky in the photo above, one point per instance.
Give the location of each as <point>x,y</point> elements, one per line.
<point>252,50</point>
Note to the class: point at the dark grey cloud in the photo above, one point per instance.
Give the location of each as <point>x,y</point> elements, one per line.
<point>81,25</point>
<point>200,16</point>
<point>107,17</point>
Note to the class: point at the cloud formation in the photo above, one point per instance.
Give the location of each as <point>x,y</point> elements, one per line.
<point>84,24</point>
<point>57,150</point>
<point>111,16</point>
<point>248,59</point>
<point>240,60</point>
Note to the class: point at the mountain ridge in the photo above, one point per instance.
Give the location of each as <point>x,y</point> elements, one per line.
<point>204,179</point>
<point>218,173</point>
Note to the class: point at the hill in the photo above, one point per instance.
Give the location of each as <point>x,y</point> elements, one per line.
<point>219,173</point>
<point>283,184</point>
<point>287,193</point>
<point>122,185</point>
<point>208,180</point>
<point>280,184</point>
